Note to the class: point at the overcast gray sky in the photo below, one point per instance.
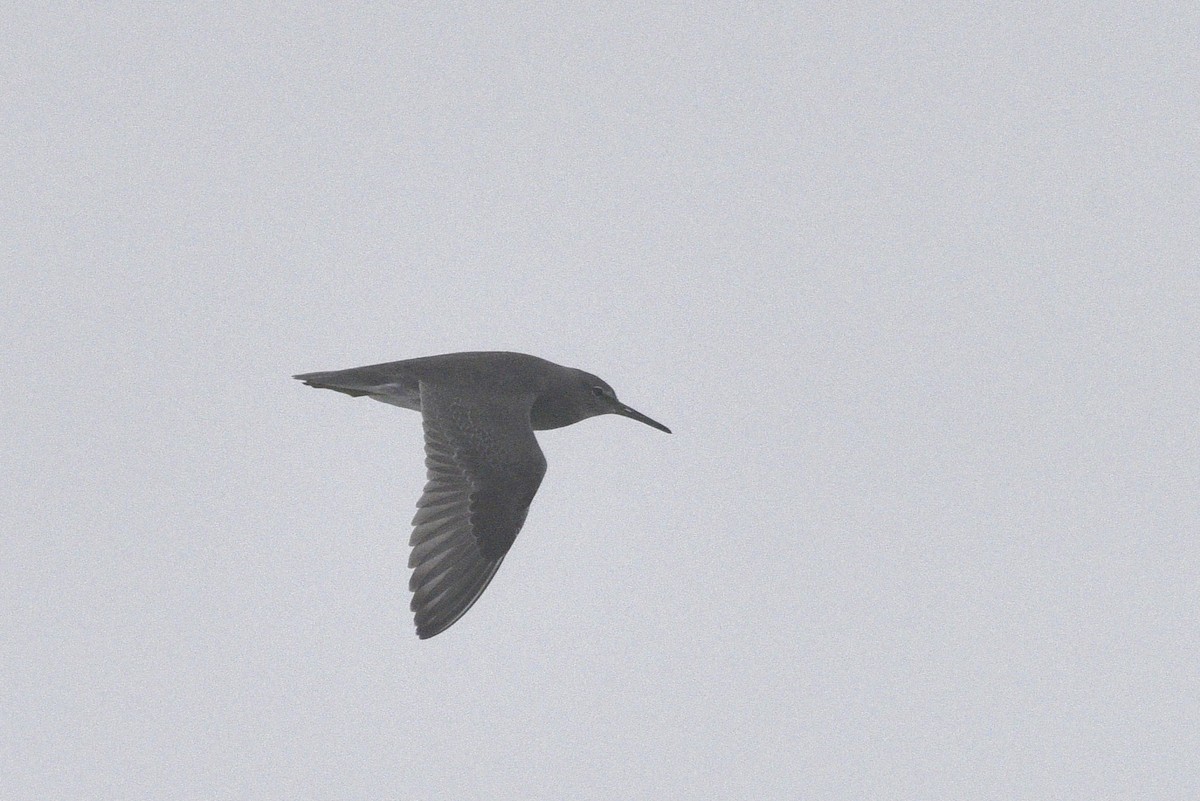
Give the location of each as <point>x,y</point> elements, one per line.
<point>916,286</point>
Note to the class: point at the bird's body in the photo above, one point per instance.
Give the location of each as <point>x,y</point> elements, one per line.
<point>484,465</point>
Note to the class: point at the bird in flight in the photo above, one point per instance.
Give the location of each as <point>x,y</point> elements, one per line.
<point>483,462</point>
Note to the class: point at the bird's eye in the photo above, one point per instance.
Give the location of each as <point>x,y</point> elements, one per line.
<point>598,392</point>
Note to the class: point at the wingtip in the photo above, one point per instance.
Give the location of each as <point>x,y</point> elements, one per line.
<point>425,632</point>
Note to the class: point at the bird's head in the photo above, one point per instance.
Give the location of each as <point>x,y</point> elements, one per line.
<point>592,396</point>
<point>574,395</point>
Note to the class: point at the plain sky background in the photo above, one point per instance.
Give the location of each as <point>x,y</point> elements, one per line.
<point>916,285</point>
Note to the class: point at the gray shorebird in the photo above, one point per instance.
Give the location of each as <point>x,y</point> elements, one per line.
<point>484,464</point>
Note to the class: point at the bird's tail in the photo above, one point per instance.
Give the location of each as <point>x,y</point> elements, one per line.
<point>333,380</point>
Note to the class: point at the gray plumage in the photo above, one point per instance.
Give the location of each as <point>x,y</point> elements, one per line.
<point>483,461</point>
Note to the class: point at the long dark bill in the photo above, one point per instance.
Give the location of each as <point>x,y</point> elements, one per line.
<point>634,414</point>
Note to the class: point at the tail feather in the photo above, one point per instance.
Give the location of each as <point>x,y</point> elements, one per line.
<point>329,381</point>
<point>372,381</point>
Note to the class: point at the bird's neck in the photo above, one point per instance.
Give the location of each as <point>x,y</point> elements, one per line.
<point>550,410</point>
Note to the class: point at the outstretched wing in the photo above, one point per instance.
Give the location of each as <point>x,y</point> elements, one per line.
<point>484,467</point>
